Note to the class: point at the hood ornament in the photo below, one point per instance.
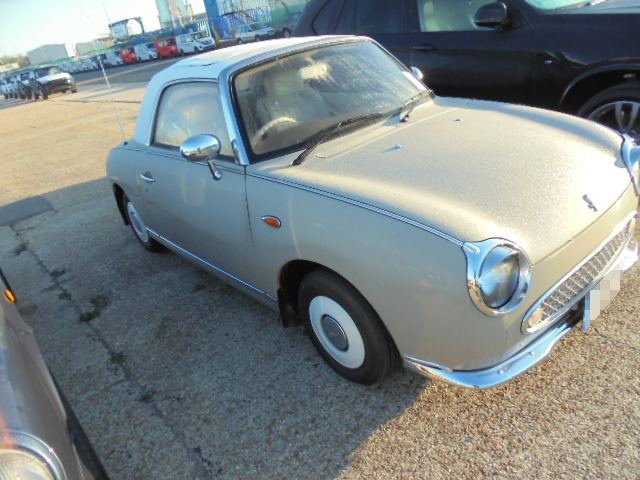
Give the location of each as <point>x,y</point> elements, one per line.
<point>590,203</point>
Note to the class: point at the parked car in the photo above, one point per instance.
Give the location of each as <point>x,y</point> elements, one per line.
<point>545,53</point>
<point>320,176</point>
<point>167,48</point>
<point>253,32</point>
<point>11,86</point>
<point>145,52</point>
<point>285,30</point>
<point>128,55</point>
<point>40,437</point>
<point>188,43</point>
<point>4,82</point>
<point>50,79</point>
<point>23,85</point>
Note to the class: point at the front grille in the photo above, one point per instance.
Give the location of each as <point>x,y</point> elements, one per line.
<point>590,271</point>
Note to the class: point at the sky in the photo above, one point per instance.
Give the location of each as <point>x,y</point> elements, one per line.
<point>27,24</point>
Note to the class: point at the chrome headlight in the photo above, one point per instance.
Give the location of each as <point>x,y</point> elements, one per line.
<point>23,465</point>
<point>631,158</point>
<point>498,275</point>
<point>26,457</point>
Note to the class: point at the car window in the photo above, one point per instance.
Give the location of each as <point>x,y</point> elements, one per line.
<point>285,102</point>
<point>325,20</point>
<point>188,109</point>
<point>347,19</point>
<point>449,15</point>
<point>54,71</point>
<point>379,16</point>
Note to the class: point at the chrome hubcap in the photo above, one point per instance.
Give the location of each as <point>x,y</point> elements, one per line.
<point>622,115</point>
<point>337,332</point>
<point>138,225</point>
<point>334,332</point>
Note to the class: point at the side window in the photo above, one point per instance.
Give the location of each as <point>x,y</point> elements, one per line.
<point>379,16</point>
<point>325,21</point>
<point>347,18</point>
<point>448,15</point>
<point>188,109</point>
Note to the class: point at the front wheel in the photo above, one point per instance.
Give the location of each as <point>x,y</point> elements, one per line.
<point>345,330</point>
<point>239,41</point>
<point>138,226</point>
<point>617,107</point>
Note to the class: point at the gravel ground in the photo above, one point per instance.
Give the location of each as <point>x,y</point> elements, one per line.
<point>176,375</point>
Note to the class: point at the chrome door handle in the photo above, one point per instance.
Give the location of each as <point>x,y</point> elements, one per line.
<point>147,177</point>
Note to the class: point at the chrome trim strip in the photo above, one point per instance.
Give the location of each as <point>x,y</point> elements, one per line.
<point>209,265</point>
<point>501,373</point>
<point>580,296</point>
<point>179,158</point>
<point>366,206</point>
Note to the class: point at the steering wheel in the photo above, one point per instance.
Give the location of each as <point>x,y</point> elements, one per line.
<point>276,122</point>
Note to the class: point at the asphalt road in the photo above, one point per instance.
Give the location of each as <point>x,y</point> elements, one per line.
<point>140,72</point>
<point>173,374</point>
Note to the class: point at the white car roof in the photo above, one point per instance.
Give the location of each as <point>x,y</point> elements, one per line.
<point>212,64</point>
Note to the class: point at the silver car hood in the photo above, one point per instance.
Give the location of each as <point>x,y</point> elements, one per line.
<point>476,170</point>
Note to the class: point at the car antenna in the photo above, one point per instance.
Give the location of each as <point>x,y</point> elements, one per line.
<point>113,102</point>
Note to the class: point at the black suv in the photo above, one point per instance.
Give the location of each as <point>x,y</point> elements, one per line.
<point>576,56</point>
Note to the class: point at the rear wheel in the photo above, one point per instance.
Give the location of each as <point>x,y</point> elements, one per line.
<point>286,33</point>
<point>138,226</point>
<point>45,95</point>
<point>239,41</point>
<point>344,328</point>
<point>617,107</point>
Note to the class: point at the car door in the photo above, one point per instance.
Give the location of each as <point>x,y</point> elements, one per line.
<point>183,203</point>
<point>459,58</point>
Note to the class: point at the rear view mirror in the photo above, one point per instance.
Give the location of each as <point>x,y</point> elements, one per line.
<point>493,15</point>
<point>203,148</point>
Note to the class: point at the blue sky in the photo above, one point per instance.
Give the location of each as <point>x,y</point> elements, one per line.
<point>26,24</point>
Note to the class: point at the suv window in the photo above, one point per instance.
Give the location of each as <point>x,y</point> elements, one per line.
<point>448,15</point>
<point>188,109</point>
<point>379,16</point>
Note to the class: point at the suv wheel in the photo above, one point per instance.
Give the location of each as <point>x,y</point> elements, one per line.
<point>344,329</point>
<point>617,107</point>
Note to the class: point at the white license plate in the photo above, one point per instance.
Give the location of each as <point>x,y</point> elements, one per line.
<point>600,296</point>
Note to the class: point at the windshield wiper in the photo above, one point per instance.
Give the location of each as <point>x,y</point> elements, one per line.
<point>412,103</point>
<point>326,133</point>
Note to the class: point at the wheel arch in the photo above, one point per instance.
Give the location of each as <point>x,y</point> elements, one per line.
<point>118,192</point>
<point>589,83</point>
<point>289,280</point>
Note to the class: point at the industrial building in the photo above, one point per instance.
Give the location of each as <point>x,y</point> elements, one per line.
<point>50,53</point>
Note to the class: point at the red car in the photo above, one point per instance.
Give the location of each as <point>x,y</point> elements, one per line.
<point>129,55</point>
<point>167,47</point>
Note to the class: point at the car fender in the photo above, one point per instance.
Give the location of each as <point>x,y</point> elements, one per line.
<point>594,71</point>
<point>415,280</point>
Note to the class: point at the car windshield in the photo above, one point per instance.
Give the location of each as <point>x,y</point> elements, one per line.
<point>561,4</point>
<point>42,72</point>
<point>284,103</point>
<point>24,76</point>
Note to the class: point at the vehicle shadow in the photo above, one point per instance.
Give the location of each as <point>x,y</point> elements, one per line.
<point>243,396</point>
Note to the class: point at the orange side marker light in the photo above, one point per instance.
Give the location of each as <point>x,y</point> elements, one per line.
<point>9,296</point>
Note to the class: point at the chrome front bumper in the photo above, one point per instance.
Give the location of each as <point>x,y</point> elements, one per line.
<point>525,359</point>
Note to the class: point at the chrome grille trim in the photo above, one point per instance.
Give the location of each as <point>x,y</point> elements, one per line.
<point>565,294</point>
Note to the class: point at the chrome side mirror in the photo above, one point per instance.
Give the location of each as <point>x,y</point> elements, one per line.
<point>417,73</point>
<point>203,148</point>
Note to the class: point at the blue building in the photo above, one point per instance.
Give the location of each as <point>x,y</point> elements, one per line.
<point>226,15</point>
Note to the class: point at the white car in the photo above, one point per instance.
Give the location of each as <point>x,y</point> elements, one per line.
<point>145,52</point>
<point>253,33</point>
<point>189,43</point>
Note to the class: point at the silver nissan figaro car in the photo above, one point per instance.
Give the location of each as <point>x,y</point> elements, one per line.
<point>320,176</point>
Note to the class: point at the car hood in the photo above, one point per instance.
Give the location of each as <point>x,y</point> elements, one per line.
<point>609,6</point>
<point>476,170</point>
